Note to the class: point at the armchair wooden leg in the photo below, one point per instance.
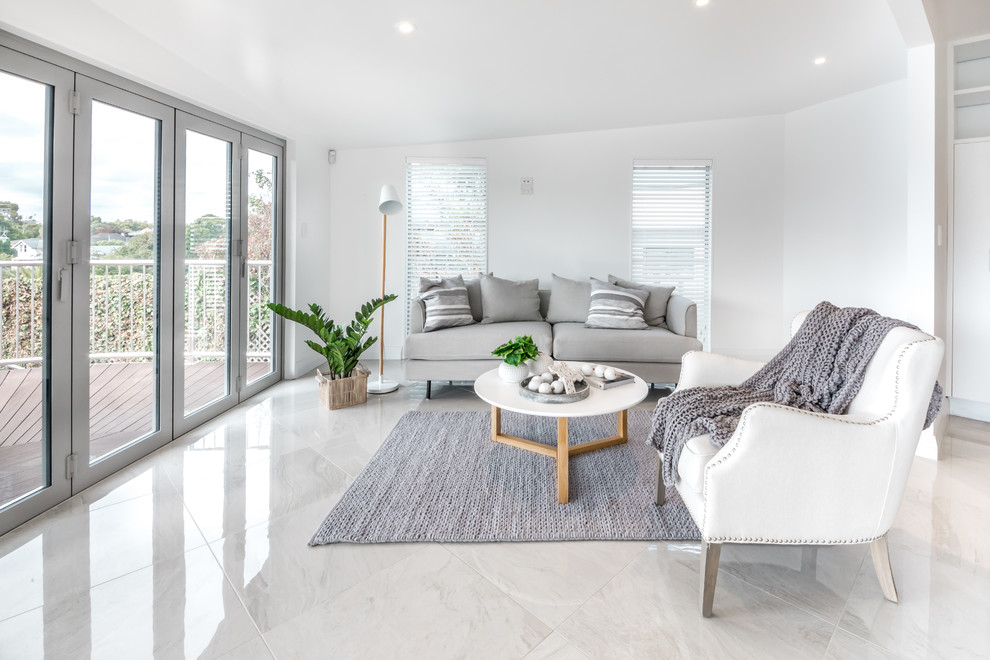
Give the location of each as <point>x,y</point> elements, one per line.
<point>881,562</point>
<point>709,573</point>
<point>661,494</point>
<point>429,388</point>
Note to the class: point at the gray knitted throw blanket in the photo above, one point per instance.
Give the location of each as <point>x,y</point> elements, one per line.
<point>821,369</point>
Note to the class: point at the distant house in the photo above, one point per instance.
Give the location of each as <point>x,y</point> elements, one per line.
<point>109,236</point>
<point>28,249</point>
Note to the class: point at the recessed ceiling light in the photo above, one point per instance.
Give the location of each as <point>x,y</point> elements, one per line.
<point>701,3</point>
<point>819,61</point>
<point>405,27</point>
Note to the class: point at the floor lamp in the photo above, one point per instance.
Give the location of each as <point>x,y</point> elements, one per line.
<point>388,204</point>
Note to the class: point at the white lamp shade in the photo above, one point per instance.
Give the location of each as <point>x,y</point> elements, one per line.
<point>389,203</point>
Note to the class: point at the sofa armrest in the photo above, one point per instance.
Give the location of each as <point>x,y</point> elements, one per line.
<point>793,476</point>
<point>682,316</point>
<point>699,369</point>
<point>417,316</point>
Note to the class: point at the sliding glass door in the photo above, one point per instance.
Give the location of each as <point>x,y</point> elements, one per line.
<point>35,282</point>
<point>139,247</point>
<point>123,238</point>
<point>207,278</point>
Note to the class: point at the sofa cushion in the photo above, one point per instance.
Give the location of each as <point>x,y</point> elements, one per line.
<point>446,303</point>
<point>694,457</point>
<point>504,300</point>
<point>573,341</point>
<point>474,342</point>
<point>473,291</point>
<point>615,307</point>
<point>569,300</point>
<point>655,310</point>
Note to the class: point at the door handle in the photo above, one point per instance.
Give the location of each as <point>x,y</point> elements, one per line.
<point>63,285</point>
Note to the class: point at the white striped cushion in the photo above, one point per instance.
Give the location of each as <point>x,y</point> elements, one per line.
<point>616,307</point>
<point>446,302</point>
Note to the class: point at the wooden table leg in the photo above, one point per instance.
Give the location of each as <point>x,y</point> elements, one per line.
<point>563,490</point>
<point>496,423</point>
<point>623,429</point>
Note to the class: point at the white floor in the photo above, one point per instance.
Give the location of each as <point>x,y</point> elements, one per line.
<point>200,551</point>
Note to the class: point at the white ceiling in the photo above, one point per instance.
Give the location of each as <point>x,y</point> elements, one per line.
<point>340,72</point>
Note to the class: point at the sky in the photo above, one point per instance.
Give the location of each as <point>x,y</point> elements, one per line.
<point>123,159</point>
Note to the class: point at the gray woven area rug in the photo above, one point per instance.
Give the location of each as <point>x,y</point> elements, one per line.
<point>439,477</point>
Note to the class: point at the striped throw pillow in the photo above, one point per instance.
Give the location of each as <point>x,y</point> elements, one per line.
<point>616,307</point>
<point>446,303</point>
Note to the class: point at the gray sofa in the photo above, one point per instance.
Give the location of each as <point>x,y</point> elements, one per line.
<point>464,352</point>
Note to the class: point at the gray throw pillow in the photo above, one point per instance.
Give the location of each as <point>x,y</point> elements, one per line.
<point>473,292</point>
<point>569,300</point>
<point>504,300</point>
<point>446,304</point>
<point>616,307</point>
<point>655,311</point>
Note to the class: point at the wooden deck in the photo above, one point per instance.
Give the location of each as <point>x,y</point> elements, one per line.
<point>121,397</point>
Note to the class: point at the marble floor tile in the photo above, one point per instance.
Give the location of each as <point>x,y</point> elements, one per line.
<point>555,647</point>
<point>846,646</point>
<point>943,610</point>
<point>429,605</point>
<point>179,607</point>
<point>816,579</point>
<point>551,580</point>
<point>278,576</point>
<point>241,496</point>
<point>650,610</point>
<point>256,649</point>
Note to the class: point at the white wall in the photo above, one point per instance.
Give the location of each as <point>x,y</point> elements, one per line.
<point>308,236</point>
<point>846,220</point>
<point>576,223</point>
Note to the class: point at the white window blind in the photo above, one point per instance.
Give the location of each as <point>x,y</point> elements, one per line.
<point>446,220</point>
<point>672,229</point>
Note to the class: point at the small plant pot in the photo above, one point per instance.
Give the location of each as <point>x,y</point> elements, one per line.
<point>511,374</point>
<point>343,392</point>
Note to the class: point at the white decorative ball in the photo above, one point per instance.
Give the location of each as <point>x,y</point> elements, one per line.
<point>545,388</point>
<point>610,374</point>
<point>534,384</point>
<point>600,371</point>
<point>588,369</point>
<point>557,386</point>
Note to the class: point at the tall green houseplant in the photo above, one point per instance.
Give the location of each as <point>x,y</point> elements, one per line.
<point>342,345</point>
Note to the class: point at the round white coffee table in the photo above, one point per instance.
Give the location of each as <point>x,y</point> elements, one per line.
<point>505,396</point>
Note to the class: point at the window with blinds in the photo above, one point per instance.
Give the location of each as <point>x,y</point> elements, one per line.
<point>672,230</point>
<point>446,220</point>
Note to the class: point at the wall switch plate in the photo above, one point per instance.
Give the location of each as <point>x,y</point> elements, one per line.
<point>526,185</point>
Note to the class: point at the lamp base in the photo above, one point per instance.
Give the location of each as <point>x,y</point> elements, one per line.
<point>382,386</point>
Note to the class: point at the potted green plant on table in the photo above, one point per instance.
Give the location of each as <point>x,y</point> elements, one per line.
<point>346,382</point>
<point>515,356</point>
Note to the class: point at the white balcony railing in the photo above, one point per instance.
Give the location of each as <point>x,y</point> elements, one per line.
<point>121,310</point>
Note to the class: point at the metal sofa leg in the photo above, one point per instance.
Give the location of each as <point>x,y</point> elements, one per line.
<point>709,572</point>
<point>881,562</point>
<point>429,387</point>
<point>661,494</point>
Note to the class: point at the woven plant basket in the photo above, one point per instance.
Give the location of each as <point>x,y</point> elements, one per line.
<point>343,392</point>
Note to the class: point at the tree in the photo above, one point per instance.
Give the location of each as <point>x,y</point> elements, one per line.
<point>141,246</point>
<point>260,218</point>
<point>206,236</point>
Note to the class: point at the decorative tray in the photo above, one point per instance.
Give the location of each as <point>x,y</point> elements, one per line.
<point>582,390</point>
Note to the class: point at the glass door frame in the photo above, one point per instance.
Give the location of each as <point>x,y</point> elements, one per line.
<point>58,191</point>
<point>183,423</point>
<point>250,142</point>
<point>91,90</point>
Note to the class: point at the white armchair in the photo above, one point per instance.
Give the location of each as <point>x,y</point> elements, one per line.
<point>790,476</point>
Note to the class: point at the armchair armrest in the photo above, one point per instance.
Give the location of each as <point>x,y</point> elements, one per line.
<point>793,476</point>
<point>699,369</point>
<point>682,316</point>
